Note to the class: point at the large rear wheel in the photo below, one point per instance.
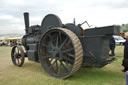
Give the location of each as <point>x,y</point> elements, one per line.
<point>60,52</point>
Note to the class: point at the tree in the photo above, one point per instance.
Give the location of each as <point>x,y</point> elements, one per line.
<point>124,28</point>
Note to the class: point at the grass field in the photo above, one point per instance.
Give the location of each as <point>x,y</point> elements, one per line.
<point>32,73</point>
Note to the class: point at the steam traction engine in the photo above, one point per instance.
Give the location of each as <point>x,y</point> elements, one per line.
<point>63,48</point>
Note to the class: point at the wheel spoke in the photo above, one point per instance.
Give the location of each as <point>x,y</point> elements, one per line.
<point>18,51</point>
<point>15,51</point>
<point>67,63</point>
<point>60,40</point>
<point>49,35</point>
<point>57,41</point>
<point>59,69</point>
<point>64,42</point>
<point>69,41</point>
<point>51,60</point>
<point>68,50</point>
<point>56,66</point>
<point>52,56</point>
<point>18,60</point>
<point>51,44</point>
<point>68,59</point>
<point>52,65</point>
<point>14,55</point>
<point>51,39</point>
<point>71,55</point>
<point>64,66</point>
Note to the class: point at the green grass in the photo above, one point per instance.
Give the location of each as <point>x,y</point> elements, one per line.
<point>32,73</point>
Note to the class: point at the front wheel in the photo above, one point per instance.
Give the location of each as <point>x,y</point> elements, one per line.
<point>17,56</point>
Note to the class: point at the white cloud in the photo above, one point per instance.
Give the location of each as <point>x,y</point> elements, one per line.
<point>6,17</point>
<point>14,2</point>
<point>96,12</point>
<point>9,18</point>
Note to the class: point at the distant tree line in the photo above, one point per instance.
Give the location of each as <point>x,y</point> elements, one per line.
<point>124,28</point>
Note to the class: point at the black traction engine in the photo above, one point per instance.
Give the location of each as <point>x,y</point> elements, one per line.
<point>63,48</point>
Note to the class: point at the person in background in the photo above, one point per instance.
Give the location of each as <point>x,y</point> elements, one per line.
<point>112,46</point>
<point>125,59</point>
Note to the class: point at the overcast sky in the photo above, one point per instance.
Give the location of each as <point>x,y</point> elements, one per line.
<point>96,12</point>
